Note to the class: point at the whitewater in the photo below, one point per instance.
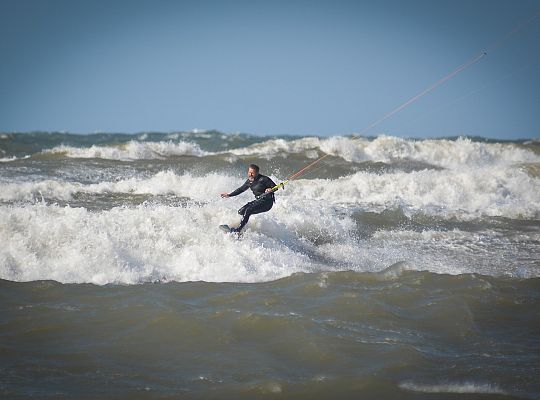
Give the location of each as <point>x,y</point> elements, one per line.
<point>145,208</point>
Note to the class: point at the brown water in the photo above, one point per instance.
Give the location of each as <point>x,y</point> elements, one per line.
<point>394,334</point>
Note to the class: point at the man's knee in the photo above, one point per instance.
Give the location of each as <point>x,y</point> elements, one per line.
<point>245,210</point>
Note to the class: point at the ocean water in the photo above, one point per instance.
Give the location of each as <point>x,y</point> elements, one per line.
<point>395,268</point>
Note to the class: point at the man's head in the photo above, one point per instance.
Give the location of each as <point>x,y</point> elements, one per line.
<point>253,171</point>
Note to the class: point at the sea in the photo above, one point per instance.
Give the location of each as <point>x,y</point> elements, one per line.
<point>393,268</point>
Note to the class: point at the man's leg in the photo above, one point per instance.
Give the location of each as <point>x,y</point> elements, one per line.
<point>253,207</point>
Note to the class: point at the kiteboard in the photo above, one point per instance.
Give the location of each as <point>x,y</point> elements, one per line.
<point>225,228</point>
<point>228,229</point>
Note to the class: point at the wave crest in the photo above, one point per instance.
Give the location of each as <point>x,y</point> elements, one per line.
<point>132,150</point>
<point>493,192</point>
<point>451,154</point>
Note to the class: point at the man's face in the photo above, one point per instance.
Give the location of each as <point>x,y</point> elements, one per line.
<point>252,174</point>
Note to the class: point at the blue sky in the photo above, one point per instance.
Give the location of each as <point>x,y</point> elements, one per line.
<point>269,67</point>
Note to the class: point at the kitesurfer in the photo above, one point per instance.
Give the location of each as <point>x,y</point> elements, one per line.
<point>262,187</point>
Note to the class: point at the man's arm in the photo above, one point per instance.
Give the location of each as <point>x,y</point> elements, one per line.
<point>236,192</point>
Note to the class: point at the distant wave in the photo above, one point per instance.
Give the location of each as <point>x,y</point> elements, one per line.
<point>466,387</point>
<point>450,154</point>
<point>446,153</point>
<point>496,191</point>
<point>440,152</point>
<point>504,192</point>
<point>13,158</point>
<point>132,150</point>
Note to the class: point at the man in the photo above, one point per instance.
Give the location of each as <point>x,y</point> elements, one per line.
<point>261,186</point>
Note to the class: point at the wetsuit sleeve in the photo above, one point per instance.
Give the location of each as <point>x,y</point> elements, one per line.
<point>241,189</point>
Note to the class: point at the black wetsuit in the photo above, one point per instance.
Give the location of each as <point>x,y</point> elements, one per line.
<point>263,202</point>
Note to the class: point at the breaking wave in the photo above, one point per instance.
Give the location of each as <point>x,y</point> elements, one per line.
<point>133,150</point>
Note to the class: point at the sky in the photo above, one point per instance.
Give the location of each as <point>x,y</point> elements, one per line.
<point>270,67</point>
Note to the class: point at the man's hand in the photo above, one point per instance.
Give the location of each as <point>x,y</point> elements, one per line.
<point>224,195</point>
<point>268,190</point>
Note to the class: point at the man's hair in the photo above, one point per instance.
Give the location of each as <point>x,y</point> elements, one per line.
<point>255,167</point>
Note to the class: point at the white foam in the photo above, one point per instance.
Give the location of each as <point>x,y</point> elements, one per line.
<point>273,147</point>
<point>164,182</point>
<point>9,159</point>
<point>465,194</point>
<point>132,150</point>
<point>309,229</point>
<point>157,242</point>
<point>452,154</point>
<point>465,387</point>
<point>135,245</point>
